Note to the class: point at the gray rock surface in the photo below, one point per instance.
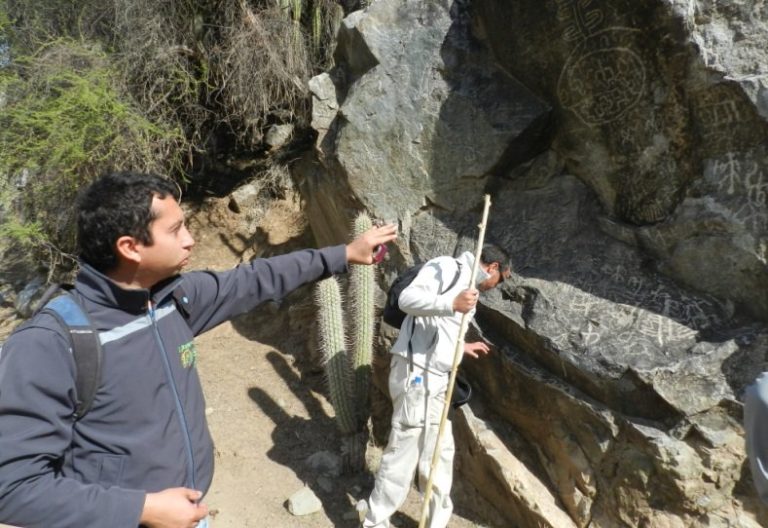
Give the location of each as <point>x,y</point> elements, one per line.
<point>623,144</point>
<point>661,111</point>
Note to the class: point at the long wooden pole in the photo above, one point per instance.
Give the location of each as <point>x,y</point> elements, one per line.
<point>458,351</point>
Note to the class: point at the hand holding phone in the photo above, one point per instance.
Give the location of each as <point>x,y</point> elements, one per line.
<point>379,253</point>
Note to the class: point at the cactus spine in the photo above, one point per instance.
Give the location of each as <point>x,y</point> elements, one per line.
<point>348,370</point>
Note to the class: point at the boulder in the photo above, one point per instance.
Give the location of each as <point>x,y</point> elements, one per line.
<point>623,145</point>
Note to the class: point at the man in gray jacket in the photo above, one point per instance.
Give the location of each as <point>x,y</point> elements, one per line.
<point>422,358</point>
<point>142,455</point>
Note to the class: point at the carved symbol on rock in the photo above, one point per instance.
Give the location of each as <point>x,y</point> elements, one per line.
<point>603,77</point>
<point>580,17</point>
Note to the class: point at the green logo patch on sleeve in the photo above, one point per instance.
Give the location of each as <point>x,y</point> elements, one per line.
<point>188,354</point>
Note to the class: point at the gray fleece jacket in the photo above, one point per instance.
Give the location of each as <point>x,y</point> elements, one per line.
<point>146,430</point>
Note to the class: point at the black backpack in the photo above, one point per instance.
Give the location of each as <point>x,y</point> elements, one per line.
<point>392,314</point>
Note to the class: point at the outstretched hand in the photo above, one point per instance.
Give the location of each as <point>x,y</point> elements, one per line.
<point>360,250</point>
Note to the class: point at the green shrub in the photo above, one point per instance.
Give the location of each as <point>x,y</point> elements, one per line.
<point>172,87</point>
<point>64,123</point>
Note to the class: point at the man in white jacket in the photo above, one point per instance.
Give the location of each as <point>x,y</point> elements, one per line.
<point>422,358</point>
<point>756,433</point>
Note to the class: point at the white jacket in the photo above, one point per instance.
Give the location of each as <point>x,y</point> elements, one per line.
<point>436,327</point>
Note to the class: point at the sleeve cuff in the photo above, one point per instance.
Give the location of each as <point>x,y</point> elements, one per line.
<point>337,258</point>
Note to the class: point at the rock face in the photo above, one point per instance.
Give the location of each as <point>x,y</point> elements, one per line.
<point>663,118</point>
<point>624,146</point>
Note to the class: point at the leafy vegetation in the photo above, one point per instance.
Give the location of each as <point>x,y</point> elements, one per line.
<point>63,123</point>
<point>171,87</point>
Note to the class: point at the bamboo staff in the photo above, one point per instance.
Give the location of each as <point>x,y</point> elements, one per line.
<point>454,369</point>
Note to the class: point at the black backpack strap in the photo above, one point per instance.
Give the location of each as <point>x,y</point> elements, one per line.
<point>86,347</point>
<point>410,347</point>
<point>455,277</point>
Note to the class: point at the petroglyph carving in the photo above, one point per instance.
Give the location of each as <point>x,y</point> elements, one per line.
<point>742,180</point>
<point>615,304</point>
<point>603,78</point>
<point>590,336</point>
<point>661,330</point>
<point>603,84</point>
<point>639,348</point>
<point>719,113</point>
<point>582,21</point>
<point>561,341</point>
<point>725,120</point>
<point>727,172</point>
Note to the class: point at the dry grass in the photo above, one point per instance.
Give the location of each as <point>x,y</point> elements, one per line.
<point>189,79</point>
<point>263,70</point>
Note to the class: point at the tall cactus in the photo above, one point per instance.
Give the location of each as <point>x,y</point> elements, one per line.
<point>361,290</point>
<point>349,373</point>
<point>317,27</point>
<point>333,346</point>
<point>297,7</point>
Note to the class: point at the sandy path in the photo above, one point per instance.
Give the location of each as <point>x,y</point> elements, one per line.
<point>266,421</point>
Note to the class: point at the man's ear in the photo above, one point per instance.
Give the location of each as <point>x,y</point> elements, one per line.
<point>126,249</point>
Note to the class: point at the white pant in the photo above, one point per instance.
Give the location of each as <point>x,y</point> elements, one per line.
<point>756,433</point>
<point>415,421</point>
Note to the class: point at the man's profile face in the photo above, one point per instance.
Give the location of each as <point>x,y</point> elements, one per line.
<point>171,243</point>
<point>496,276</point>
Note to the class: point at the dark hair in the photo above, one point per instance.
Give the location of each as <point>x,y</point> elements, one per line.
<point>117,204</point>
<point>492,253</point>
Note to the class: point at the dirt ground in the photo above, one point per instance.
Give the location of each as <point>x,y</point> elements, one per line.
<point>267,420</point>
<point>266,402</point>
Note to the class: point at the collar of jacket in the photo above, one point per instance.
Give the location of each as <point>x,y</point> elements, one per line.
<point>97,287</point>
